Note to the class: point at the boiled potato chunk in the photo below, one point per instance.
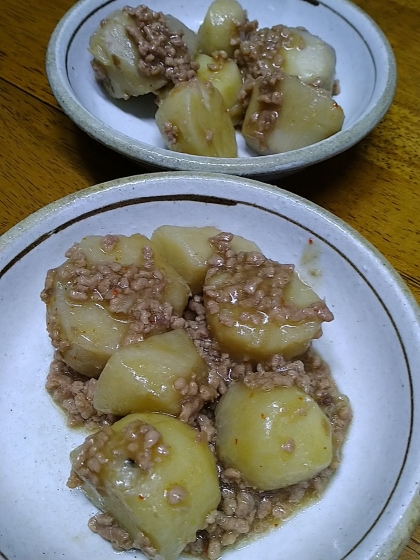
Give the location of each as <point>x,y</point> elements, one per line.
<point>141,377</point>
<point>129,250</point>
<point>302,116</point>
<point>86,330</point>
<point>188,250</point>
<point>192,119</point>
<point>116,58</point>
<point>274,438</point>
<point>309,58</point>
<point>140,500</point>
<point>225,75</point>
<point>242,336</point>
<point>221,24</point>
<point>189,36</point>
<point>91,332</point>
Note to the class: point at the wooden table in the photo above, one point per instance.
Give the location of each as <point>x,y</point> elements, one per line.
<point>375,186</point>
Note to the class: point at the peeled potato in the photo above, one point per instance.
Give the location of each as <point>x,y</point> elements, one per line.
<point>192,119</point>
<point>274,438</point>
<point>89,333</point>
<point>141,377</point>
<point>221,24</point>
<point>225,75</point>
<point>116,58</point>
<point>189,36</point>
<point>298,116</point>
<point>140,500</point>
<point>242,336</point>
<point>188,250</point>
<point>309,58</point>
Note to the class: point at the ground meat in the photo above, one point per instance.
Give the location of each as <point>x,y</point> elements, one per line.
<point>242,510</point>
<point>74,394</point>
<point>105,526</point>
<point>258,54</point>
<point>162,51</point>
<point>138,443</point>
<point>255,284</point>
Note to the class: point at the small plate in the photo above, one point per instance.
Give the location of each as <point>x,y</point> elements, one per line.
<point>365,69</point>
<point>371,506</point>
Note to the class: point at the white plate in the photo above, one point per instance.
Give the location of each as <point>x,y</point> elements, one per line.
<point>365,68</point>
<point>372,346</point>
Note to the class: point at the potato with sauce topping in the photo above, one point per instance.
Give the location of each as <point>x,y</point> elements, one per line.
<point>98,296</point>
<point>274,438</point>
<point>153,475</point>
<point>256,307</point>
<point>309,58</point>
<point>141,377</point>
<point>221,25</point>
<point>285,114</point>
<point>132,51</point>
<point>188,250</point>
<point>225,75</point>
<point>193,119</point>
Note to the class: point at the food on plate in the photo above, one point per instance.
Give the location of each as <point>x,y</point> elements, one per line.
<point>224,23</point>
<point>105,293</point>
<point>309,58</point>
<point>143,377</point>
<point>158,480</point>
<point>276,84</point>
<point>137,51</point>
<point>256,307</point>
<point>307,115</point>
<point>274,438</point>
<point>188,250</point>
<point>192,119</point>
<point>212,416</point>
<point>226,77</point>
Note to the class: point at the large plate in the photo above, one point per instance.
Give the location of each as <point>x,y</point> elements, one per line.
<point>365,68</point>
<point>371,506</point>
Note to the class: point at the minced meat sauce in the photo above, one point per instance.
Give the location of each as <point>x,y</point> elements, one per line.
<point>242,511</point>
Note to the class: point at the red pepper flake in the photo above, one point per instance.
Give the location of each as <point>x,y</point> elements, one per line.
<point>310,241</point>
<point>141,497</point>
<point>262,416</point>
<point>236,441</point>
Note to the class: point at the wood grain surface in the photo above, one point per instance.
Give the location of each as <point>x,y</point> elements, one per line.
<point>374,186</point>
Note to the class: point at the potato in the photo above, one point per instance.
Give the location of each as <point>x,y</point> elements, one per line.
<point>141,377</point>
<point>225,75</point>
<point>189,36</point>
<point>188,250</point>
<point>221,24</point>
<point>116,59</point>
<point>252,332</point>
<point>91,332</point>
<point>192,119</point>
<point>309,58</point>
<point>87,332</point>
<point>128,250</point>
<point>126,70</point>
<point>274,438</point>
<point>169,501</point>
<point>300,116</point>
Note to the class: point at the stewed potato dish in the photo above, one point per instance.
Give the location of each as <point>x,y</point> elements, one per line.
<point>188,359</point>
